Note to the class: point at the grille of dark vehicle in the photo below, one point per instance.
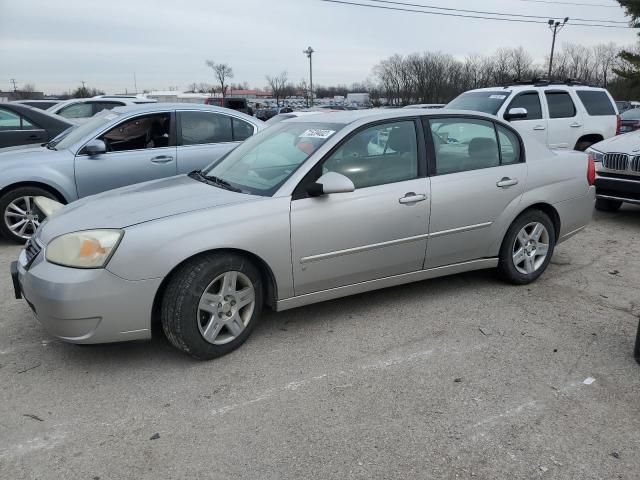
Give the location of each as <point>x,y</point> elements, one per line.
<point>635,164</point>
<point>31,249</point>
<point>616,161</point>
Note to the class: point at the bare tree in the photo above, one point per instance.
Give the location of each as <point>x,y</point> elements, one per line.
<point>222,72</point>
<point>278,85</point>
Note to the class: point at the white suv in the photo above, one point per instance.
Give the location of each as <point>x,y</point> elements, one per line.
<point>560,115</point>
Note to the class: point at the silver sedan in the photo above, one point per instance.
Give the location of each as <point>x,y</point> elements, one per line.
<point>310,209</point>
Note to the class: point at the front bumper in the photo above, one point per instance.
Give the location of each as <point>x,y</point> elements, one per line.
<point>621,187</point>
<point>86,306</point>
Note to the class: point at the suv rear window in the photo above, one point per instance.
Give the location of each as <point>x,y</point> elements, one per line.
<point>596,102</point>
<point>560,105</point>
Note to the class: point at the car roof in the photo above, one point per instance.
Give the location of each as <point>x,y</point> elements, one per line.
<point>346,117</point>
<point>529,86</point>
<point>160,107</point>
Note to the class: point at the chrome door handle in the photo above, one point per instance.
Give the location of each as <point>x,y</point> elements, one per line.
<point>412,198</point>
<point>539,127</point>
<point>575,125</point>
<point>507,182</point>
<point>162,159</point>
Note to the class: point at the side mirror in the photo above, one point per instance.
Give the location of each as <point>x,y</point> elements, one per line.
<point>331,182</point>
<point>95,147</point>
<point>518,113</point>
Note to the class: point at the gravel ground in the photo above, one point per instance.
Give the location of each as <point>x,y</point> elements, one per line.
<point>461,377</point>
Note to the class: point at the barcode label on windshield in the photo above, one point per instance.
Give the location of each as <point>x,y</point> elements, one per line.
<point>498,97</point>
<point>317,133</point>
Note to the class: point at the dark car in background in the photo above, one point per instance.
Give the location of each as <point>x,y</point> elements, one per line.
<point>630,120</point>
<point>41,104</point>
<point>265,114</point>
<point>23,125</point>
<point>238,104</point>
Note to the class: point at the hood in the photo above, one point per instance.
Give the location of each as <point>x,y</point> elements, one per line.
<point>625,143</point>
<point>139,203</point>
<point>22,150</point>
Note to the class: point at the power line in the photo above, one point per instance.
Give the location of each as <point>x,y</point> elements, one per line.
<point>517,20</point>
<point>572,3</point>
<point>492,13</point>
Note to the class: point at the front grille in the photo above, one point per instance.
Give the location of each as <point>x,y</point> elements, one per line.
<point>635,164</point>
<point>31,250</point>
<point>616,161</point>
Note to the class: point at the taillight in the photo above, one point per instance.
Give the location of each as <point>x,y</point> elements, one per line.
<point>591,170</point>
<point>618,124</point>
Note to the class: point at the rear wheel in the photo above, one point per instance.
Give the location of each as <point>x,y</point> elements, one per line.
<point>583,145</point>
<point>20,218</point>
<point>527,247</point>
<point>211,304</point>
<point>607,205</point>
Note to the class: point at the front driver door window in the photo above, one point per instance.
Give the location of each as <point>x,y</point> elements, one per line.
<point>376,231</point>
<point>138,149</point>
<point>534,123</point>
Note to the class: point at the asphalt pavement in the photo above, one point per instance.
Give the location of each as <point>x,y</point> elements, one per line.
<point>459,377</point>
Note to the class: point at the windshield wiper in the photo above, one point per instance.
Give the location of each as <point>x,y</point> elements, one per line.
<point>213,180</point>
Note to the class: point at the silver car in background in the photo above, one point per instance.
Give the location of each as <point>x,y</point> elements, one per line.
<point>309,209</point>
<point>115,148</point>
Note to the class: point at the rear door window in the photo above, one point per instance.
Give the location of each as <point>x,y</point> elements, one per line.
<point>205,127</point>
<point>560,105</point>
<point>9,120</point>
<point>596,102</point>
<point>531,102</point>
<point>241,130</point>
<point>77,110</point>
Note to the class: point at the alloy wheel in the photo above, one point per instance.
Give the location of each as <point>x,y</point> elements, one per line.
<point>226,307</point>
<point>21,218</point>
<point>530,248</point>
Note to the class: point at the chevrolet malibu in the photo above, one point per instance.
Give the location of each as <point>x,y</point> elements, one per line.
<point>310,209</point>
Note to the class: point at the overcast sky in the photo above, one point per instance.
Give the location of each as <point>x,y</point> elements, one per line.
<point>57,44</point>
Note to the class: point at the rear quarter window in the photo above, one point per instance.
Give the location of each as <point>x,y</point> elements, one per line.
<point>596,103</point>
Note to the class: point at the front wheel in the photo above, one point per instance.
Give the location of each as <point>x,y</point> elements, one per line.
<point>607,205</point>
<point>20,218</point>
<point>211,304</point>
<point>527,247</point>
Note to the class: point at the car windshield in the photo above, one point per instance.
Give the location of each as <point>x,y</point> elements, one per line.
<point>265,161</point>
<point>487,102</point>
<point>78,133</point>
<point>633,114</point>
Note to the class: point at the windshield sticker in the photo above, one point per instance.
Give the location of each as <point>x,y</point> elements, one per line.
<point>498,97</point>
<point>111,116</point>
<point>317,133</point>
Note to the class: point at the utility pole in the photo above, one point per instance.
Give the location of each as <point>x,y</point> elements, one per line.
<point>555,26</point>
<point>309,52</point>
<point>135,83</point>
<point>15,89</point>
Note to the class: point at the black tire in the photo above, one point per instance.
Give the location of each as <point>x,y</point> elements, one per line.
<point>6,200</point>
<point>607,205</point>
<point>582,146</point>
<point>180,312</point>
<point>506,264</point>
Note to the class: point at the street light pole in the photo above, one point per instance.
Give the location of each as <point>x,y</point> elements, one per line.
<point>555,27</point>
<point>309,52</point>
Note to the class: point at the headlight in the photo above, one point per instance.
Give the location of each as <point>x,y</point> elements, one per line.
<point>47,206</point>
<point>597,156</point>
<point>86,249</point>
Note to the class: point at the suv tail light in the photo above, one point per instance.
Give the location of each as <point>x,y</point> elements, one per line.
<point>591,170</point>
<point>618,124</point>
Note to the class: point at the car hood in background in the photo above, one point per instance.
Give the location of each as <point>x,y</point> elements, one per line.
<point>626,143</point>
<point>139,203</point>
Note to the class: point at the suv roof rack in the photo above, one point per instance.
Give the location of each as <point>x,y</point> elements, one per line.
<point>544,82</point>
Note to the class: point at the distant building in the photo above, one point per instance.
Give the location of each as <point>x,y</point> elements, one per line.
<point>21,95</point>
